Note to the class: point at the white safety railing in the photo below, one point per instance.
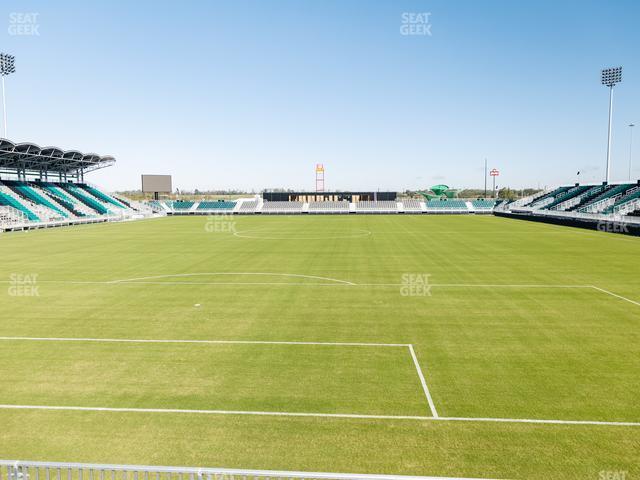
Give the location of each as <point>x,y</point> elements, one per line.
<point>627,207</point>
<point>532,198</point>
<point>22,470</point>
<point>11,216</point>
<point>584,216</point>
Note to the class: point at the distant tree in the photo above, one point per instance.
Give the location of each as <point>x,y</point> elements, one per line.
<point>507,193</point>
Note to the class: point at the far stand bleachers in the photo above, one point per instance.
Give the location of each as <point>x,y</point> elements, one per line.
<point>248,207</point>
<point>216,205</point>
<point>282,207</point>
<point>411,205</point>
<point>182,204</point>
<point>447,206</point>
<point>483,204</point>
<point>328,207</point>
<point>382,206</point>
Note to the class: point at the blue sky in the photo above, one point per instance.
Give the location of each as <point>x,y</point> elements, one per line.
<point>252,94</point>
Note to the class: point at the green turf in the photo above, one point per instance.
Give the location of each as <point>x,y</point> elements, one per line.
<point>508,352</point>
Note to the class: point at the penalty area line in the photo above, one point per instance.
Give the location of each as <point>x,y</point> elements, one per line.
<point>615,295</point>
<point>423,382</point>
<point>320,415</point>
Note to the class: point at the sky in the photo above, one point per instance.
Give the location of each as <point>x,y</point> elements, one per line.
<point>388,95</point>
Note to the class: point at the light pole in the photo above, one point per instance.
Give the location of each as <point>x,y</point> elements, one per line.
<point>485,178</point>
<point>609,77</point>
<point>631,125</point>
<point>7,67</point>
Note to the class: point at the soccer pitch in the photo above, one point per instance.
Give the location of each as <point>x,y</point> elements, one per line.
<point>404,344</point>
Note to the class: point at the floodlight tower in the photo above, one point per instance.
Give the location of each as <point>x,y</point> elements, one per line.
<point>319,177</point>
<point>7,67</point>
<point>631,125</point>
<point>610,77</point>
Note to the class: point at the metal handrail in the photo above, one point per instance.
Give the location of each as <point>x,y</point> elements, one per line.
<point>23,470</point>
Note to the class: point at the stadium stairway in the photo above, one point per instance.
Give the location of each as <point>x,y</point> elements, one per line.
<point>548,198</point>
<point>71,203</point>
<point>529,200</point>
<point>111,205</point>
<point>84,198</point>
<point>98,195</point>
<point>608,197</point>
<point>578,200</point>
<point>567,196</point>
<point>30,202</point>
<point>626,202</point>
<point>31,194</point>
<point>60,203</point>
<point>133,204</point>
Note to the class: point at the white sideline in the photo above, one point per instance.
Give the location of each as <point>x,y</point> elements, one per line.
<point>478,285</point>
<point>295,275</point>
<point>326,415</point>
<point>616,295</point>
<point>337,282</point>
<point>228,342</point>
<point>423,382</point>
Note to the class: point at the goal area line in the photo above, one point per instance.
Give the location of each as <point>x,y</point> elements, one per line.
<point>409,347</point>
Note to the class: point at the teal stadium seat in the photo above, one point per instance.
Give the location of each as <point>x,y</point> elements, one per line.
<point>216,205</point>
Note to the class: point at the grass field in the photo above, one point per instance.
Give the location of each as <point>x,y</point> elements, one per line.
<point>312,343</point>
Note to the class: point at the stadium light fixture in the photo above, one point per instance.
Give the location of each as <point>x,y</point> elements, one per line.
<point>610,77</point>
<point>7,67</point>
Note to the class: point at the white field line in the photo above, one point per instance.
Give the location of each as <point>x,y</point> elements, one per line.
<point>180,275</point>
<point>205,342</point>
<point>616,295</point>
<point>423,382</point>
<point>336,282</point>
<point>539,421</point>
<point>242,234</point>
<point>321,415</point>
<point>476,285</point>
<point>125,282</point>
<point>213,412</point>
<point>289,414</point>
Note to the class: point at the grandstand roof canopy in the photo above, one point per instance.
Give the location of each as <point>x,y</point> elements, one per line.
<point>33,158</point>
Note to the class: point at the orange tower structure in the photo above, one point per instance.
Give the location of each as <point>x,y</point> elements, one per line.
<point>319,177</point>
